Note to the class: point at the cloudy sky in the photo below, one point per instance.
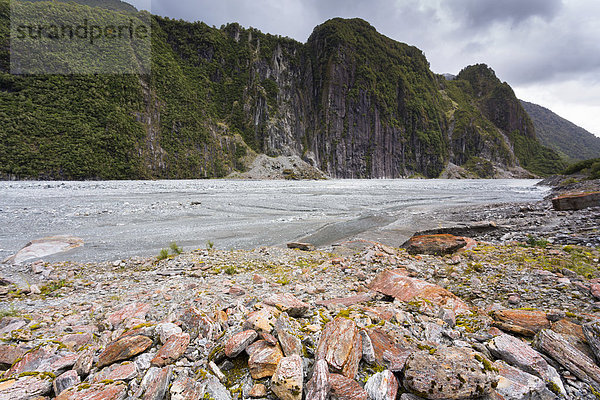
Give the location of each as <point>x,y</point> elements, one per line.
<point>547,50</point>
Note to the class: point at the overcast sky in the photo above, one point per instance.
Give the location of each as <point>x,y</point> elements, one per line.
<point>547,50</point>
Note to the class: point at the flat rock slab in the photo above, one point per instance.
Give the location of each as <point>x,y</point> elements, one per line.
<point>516,384</point>
<point>347,301</point>
<point>522,322</point>
<point>288,332</point>
<point>174,348</point>
<point>301,246</point>
<point>124,348</point>
<point>435,244</point>
<point>98,391</point>
<point>341,346</point>
<point>288,303</point>
<point>39,248</point>
<point>396,284</point>
<point>449,373</point>
<point>117,372</point>
<point>186,388</point>
<point>25,388</point>
<point>130,311</point>
<point>576,201</point>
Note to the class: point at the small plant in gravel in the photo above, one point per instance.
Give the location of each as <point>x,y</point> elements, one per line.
<point>532,241</point>
<point>175,249</point>
<point>164,253</point>
<point>210,245</point>
<point>230,270</point>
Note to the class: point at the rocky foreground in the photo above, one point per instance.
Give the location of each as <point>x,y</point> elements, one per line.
<point>363,321</point>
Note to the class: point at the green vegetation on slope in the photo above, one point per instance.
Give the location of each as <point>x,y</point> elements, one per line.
<point>574,142</point>
<point>362,104</point>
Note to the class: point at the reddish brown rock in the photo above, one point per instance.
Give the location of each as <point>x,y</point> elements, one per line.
<point>346,389</point>
<point>65,381</point>
<point>186,388</point>
<point>288,303</point>
<point>287,381</point>
<point>196,324</point>
<point>387,349</point>
<point>263,359</point>
<point>123,348</point>
<point>42,360</point>
<point>76,341</point>
<point>258,390</point>
<point>238,342</point>
<point>131,311</point>
<point>576,201</point>
<point>595,290</point>
<point>341,346</point>
<point>288,332</point>
<point>530,321</point>
<point>9,353</point>
<point>158,386</point>
<point>25,388</point>
<point>347,301</point>
<point>98,391</point>
<point>435,244</point>
<point>174,348</point>
<point>396,284</point>
<point>117,372</point>
<point>318,387</point>
<point>574,334</point>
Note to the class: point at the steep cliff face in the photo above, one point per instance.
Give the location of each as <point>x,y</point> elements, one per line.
<point>350,102</point>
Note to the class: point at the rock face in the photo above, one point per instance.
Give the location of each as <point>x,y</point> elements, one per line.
<point>576,201</point>
<point>395,283</point>
<point>341,346</point>
<point>449,373</point>
<point>287,381</point>
<point>435,244</point>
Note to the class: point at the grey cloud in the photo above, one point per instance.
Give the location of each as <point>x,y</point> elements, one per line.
<point>482,13</point>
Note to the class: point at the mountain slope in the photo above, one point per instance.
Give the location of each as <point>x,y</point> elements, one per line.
<point>562,135</point>
<point>350,101</point>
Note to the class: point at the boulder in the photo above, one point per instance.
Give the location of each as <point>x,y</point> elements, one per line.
<point>262,320</point>
<point>287,381</point>
<point>341,346</point>
<point>522,322</point>
<point>65,381</point>
<point>288,333</point>
<point>301,246</point>
<point>576,201</point>
<point>125,347</point>
<point>435,244</point>
<point>117,372</point>
<point>395,283</point>
<point>515,384</point>
<point>186,388</point>
<point>382,386</point>
<point>580,365</point>
<point>264,359</point>
<point>166,330</point>
<point>238,342</point>
<point>172,349</point>
<point>521,355</point>
<point>449,373</point>
<point>131,311</point>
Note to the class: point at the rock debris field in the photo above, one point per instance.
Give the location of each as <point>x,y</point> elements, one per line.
<point>445,317</point>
